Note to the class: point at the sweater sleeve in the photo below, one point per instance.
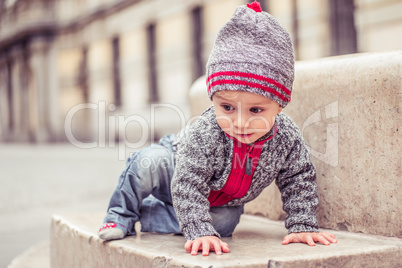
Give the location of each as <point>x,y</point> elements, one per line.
<point>298,187</point>
<point>190,190</point>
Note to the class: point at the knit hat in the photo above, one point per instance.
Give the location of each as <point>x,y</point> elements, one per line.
<point>252,53</point>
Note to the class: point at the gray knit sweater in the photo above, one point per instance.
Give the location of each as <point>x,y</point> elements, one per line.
<point>203,156</point>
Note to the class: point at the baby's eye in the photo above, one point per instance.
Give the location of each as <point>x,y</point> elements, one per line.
<point>227,107</point>
<point>255,110</point>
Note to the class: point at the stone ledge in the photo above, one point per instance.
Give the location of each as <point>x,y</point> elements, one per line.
<point>255,243</point>
<point>36,256</point>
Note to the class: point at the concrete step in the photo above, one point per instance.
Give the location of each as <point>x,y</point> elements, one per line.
<point>37,256</point>
<point>255,243</point>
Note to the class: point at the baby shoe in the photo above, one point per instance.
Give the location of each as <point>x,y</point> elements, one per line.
<point>112,231</point>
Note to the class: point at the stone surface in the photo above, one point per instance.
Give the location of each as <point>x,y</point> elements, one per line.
<point>37,256</point>
<point>348,109</point>
<point>255,243</point>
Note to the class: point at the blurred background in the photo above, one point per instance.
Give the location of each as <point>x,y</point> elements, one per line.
<point>56,54</point>
<point>74,71</point>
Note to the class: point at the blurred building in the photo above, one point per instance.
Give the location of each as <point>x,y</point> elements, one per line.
<point>89,70</point>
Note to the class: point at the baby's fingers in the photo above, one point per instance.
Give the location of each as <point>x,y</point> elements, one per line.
<point>289,239</point>
<point>205,248</point>
<point>310,240</point>
<point>330,237</point>
<point>285,240</point>
<point>216,245</point>
<point>188,245</point>
<point>196,246</point>
<point>225,247</point>
<point>322,239</point>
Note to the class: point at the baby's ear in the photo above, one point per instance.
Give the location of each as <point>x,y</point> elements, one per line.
<point>279,109</point>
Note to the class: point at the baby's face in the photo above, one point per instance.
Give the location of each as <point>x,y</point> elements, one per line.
<point>244,115</point>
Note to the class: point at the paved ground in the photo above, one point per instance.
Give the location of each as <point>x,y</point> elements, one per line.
<point>40,180</point>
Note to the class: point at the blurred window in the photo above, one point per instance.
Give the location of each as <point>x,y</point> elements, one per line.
<point>153,86</point>
<point>295,28</point>
<point>197,32</point>
<point>343,30</point>
<point>116,71</point>
<point>83,74</point>
<point>10,96</point>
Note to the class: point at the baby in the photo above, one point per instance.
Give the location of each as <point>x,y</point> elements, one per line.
<point>196,183</point>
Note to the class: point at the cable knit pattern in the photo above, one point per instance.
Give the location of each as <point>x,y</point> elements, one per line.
<point>203,155</point>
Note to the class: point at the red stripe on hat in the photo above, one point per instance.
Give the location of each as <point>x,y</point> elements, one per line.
<point>254,76</point>
<point>249,84</point>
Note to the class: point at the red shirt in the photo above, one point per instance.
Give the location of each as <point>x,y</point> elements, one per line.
<point>245,159</point>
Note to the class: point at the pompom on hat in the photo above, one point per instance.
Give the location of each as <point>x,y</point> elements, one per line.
<point>253,53</point>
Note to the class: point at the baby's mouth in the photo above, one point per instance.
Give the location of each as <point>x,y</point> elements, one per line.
<point>243,135</point>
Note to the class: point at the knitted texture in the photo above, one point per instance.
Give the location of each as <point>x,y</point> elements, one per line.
<point>203,156</point>
<point>253,53</point>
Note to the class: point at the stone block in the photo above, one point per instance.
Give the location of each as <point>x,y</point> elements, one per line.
<point>348,111</point>
<point>36,256</point>
<point>256,242</point>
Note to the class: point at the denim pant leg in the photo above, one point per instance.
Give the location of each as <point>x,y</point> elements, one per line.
<point>148,171</point>
<point>143,194</point>
<point>160,217</point>
<point>225,219</point>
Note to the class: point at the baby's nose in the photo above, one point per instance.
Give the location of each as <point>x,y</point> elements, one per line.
<point>242,121</point>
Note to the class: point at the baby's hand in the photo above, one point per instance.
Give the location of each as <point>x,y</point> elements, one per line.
<point>309,238</point>
<point>206,244</point>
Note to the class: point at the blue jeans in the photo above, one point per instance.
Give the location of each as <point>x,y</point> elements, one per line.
<point>143,194</point>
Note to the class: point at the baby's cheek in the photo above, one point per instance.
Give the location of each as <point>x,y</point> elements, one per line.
<point>262,125</point>
<point>225,124</point>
